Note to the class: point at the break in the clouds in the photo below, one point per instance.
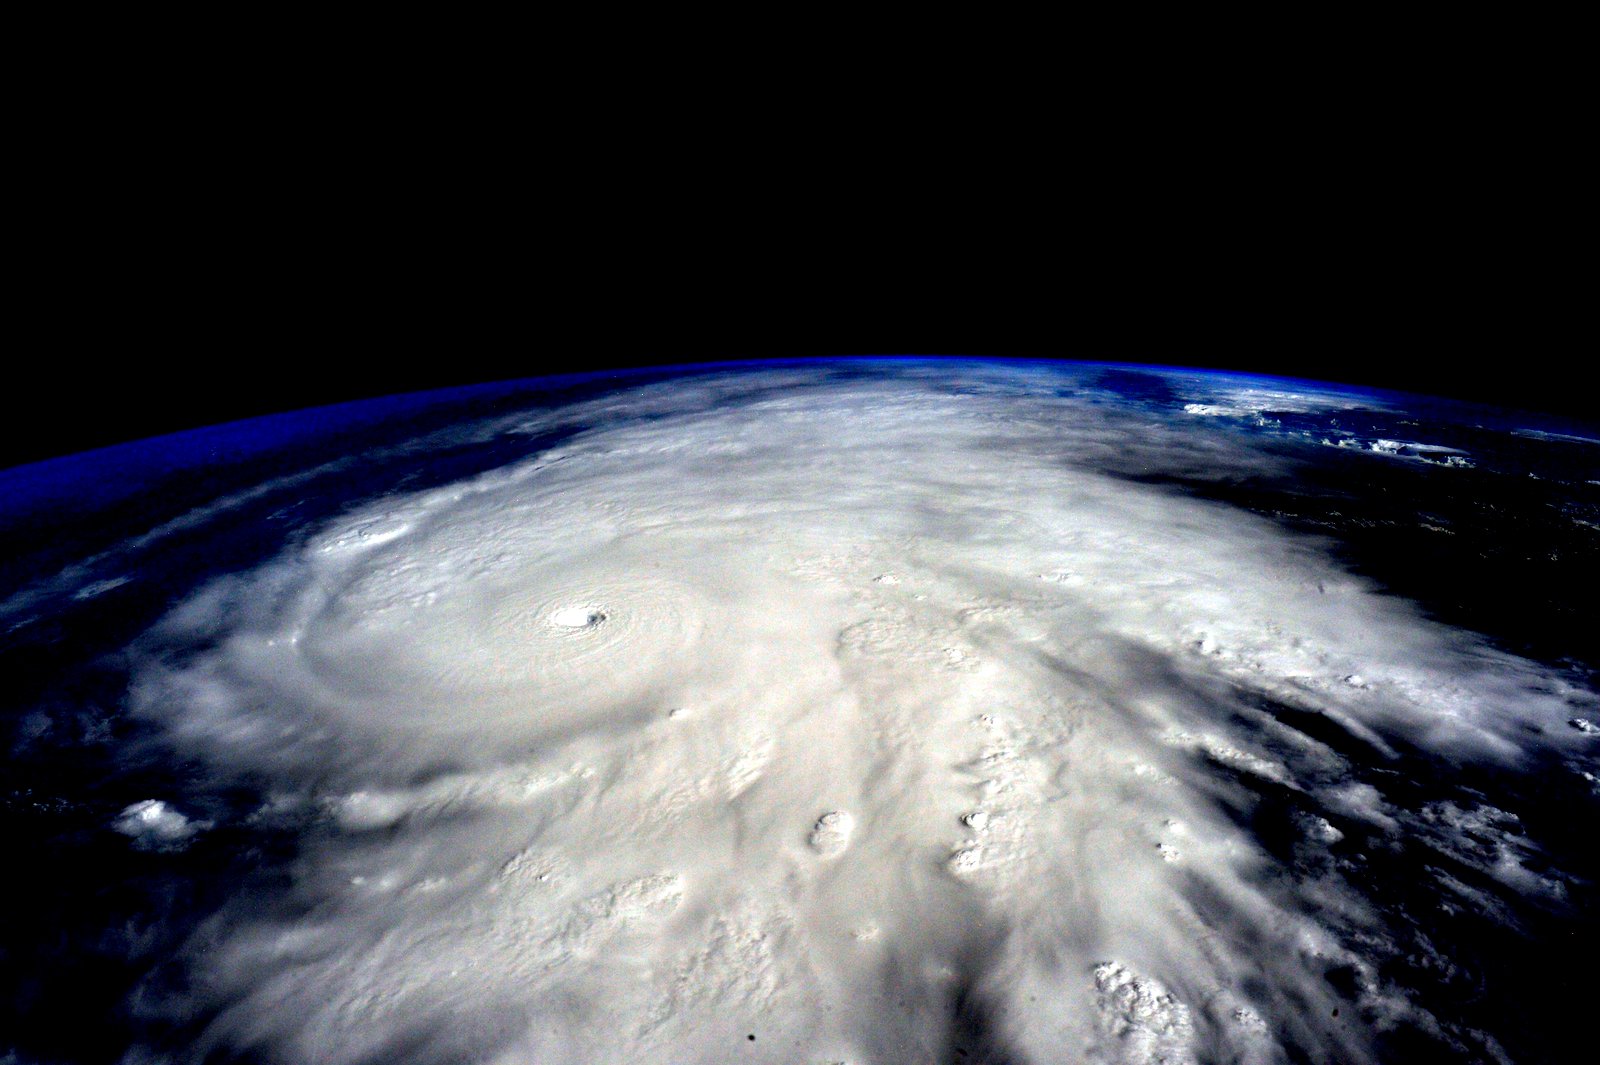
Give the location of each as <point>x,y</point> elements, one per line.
<point>803,719</point>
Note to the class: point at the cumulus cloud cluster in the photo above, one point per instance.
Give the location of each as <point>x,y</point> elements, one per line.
<point>797,717</point>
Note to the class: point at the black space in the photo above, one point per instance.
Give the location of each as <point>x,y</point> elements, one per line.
<point>276,308</point>
<point>215,243</point>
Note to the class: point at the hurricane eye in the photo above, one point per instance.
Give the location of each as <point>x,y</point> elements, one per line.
<point>577,617</point>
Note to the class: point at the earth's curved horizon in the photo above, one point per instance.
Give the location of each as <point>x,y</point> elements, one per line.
<point>876,711</point>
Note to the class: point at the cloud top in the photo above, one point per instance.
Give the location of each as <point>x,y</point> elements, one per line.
<point>876,716</point>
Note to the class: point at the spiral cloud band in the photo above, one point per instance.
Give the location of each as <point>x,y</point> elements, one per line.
<point>801,717</point>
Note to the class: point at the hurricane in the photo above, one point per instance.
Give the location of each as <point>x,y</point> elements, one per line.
<point>875,714</point>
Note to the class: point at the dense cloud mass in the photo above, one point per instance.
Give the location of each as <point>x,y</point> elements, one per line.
<point>789,717</point>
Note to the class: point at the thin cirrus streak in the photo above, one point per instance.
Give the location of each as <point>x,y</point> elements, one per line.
<point>832,720</point>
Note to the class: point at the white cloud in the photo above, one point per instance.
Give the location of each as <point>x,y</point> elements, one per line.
<point>152,823</point>
<point>760,790</point>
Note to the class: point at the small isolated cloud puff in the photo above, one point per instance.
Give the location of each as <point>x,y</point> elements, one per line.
<point>153,824</point>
